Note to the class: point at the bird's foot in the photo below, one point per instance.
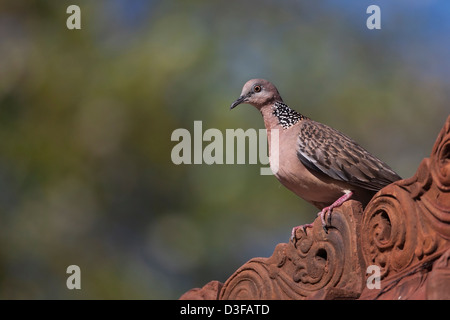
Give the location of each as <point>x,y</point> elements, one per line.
<point>329,209</point>
<point>303,227</point>
<point>322,214</point>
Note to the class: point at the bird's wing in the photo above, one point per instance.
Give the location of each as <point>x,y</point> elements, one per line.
<point>326,150</point>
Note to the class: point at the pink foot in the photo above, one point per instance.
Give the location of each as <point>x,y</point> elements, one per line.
<point>322,214</point>
<point>330,208</point>
<point>303,226</point>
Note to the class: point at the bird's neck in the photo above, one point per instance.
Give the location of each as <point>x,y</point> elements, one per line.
<point>279,115</point>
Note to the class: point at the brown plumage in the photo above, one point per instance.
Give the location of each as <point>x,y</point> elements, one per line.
<point>318,163</point>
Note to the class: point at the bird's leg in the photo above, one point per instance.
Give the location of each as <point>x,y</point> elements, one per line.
<point>347,195</point>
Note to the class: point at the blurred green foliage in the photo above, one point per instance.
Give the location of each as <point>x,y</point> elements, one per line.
<point>86,118</point>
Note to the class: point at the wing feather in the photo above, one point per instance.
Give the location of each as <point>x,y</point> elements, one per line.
<point>326,150</point>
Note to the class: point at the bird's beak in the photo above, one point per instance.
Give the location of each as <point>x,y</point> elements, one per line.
<point>240,100</point>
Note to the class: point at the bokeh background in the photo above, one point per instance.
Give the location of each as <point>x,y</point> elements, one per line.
<point>86,118</point>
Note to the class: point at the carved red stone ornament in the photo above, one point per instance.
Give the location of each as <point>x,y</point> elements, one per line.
<point>397,248</point>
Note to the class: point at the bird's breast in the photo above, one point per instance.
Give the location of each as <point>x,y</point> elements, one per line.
<point>316,188</point>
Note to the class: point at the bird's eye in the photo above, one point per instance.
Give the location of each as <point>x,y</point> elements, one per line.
<point>257,88</point>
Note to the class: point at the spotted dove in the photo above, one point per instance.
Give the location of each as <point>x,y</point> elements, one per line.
<point>316,162</point>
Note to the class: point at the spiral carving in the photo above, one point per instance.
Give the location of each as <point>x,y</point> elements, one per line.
<point>388,235</point>
<point>263,278</point>
<point>406,221</point>
<point>312,263</point>
<point>436,202</point>
<point>440,164</point>
<point>248,283</point>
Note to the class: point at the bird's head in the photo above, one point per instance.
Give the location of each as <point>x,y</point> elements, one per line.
<point>258,93</point>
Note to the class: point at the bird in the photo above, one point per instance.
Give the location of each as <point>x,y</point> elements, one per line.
<point>318,163</point>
